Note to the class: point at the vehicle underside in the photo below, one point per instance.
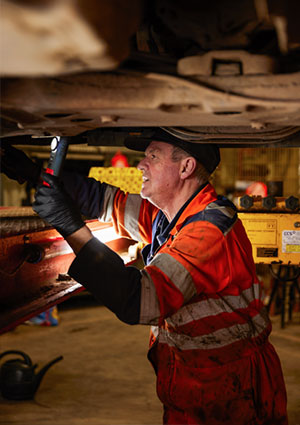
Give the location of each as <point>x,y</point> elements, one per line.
<point>221,71</point>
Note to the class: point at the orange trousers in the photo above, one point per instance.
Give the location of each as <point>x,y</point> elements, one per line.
<point>259,399</point>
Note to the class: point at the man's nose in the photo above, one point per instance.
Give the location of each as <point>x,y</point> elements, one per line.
<point>142,164</point>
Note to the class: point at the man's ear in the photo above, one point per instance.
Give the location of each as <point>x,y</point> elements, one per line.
<point>188,166</point>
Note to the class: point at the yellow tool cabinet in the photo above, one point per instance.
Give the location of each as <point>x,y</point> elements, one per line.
<point>275,237</point>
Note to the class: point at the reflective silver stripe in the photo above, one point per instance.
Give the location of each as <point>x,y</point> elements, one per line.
<point>150,312</point>
<point>217,339</point>
<point>215,306</point>
<point>177,274</point>
<point>131,219</point>
<point>229,212</point>
<point>108,204</point>
<point>155,331</point>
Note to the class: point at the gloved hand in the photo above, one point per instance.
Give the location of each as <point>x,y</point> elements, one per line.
<point>16,165</point>
<point>55,205</point>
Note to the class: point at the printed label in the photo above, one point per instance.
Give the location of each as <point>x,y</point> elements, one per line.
<point>261,231</point>
<point>291,241</point>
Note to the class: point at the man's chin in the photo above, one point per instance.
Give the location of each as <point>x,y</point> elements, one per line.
<point>146,196</point>
<point>143,194</point>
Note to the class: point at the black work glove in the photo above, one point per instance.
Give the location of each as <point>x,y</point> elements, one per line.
<point>16,165</point>
<point>55,205</point>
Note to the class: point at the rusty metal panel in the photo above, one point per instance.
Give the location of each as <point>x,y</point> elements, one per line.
<point>34,261</point>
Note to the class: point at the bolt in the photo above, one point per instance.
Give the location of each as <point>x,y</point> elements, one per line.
<point>34,253</point>
<point>292,203</point>
<point>246,201</point>
<point>269,202</point>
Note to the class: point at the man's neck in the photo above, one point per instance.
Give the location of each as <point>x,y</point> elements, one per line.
<point>180,199</point>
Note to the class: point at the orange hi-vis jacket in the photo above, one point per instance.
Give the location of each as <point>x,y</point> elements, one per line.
<point>209,339</point>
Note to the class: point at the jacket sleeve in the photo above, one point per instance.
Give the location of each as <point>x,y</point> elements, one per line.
<point>103,273</point>
<point>131,215</point>
<point>87,192</point>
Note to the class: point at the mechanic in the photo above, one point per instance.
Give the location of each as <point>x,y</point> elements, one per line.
<point>199,290</point>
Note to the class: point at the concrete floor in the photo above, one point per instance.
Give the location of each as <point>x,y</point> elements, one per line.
<point>105,377</point>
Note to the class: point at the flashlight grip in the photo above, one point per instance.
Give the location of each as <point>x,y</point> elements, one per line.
<point>59,148</point>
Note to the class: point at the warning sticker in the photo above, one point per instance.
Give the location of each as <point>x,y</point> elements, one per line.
<point>291,241</point>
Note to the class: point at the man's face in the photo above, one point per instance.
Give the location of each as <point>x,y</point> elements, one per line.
<point>160,174</point>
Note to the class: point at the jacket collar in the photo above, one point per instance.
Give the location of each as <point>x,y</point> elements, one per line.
<point>204,195</point>
<point>162,229</point>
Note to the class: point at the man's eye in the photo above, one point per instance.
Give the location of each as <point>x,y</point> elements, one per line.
<point>152,156</point>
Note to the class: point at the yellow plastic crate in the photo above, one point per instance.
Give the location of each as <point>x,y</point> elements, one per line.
<point>128,179</point>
